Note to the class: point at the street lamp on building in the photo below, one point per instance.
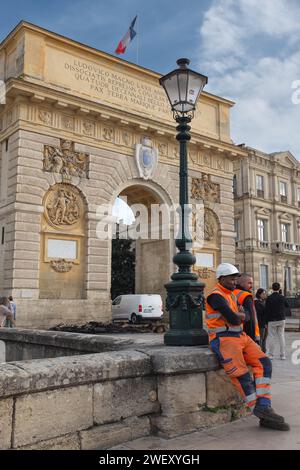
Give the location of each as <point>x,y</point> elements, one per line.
<point>184,293</point>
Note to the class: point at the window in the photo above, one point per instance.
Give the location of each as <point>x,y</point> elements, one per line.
<point>234,185</point>
<point>264,276</point>
<point>298,196</point>
<point>117,301</point>
<point>237,227</point>
<point>2,236</point>
<point>262,230</point>
<point>288,278</point>
<point>283,191</point>
<point>285,233</point>
<point>260,186</point>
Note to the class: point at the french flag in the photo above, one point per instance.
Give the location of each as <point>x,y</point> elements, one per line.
<point>127,38</point>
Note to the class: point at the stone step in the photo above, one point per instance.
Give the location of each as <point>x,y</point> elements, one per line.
<point>292,324</point>
<point>295,312</point>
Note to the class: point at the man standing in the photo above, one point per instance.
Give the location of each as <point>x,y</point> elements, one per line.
<point>13,306</point>
<point>243,293</point>
<point>276,305</point>
<point>236,350</point>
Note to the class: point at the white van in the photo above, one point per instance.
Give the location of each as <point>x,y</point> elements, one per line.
<point>137,307</point>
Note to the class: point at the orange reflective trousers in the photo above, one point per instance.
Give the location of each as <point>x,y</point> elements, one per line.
<point>238,351</point>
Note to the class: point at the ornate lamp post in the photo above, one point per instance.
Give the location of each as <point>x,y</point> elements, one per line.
<point>184,292</point>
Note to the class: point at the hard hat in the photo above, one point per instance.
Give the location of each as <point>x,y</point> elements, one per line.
<point>226,269</point>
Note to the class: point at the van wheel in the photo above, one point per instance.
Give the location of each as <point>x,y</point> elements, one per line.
<point>134,319</point>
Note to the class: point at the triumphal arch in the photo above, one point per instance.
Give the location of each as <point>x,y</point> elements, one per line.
<point>78,128</point>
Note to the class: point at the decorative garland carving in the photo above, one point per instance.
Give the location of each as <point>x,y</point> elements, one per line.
<point>205,273</point>
<point>61,265</point>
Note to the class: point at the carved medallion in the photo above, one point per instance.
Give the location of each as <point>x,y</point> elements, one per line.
<point>88,127</point>
<point>61,265</point>
<point>68,123</point>
<point>45,116</point>
<point>163,150</point>
<point>64,206</point>
<point>65,160</point>
<point>205,189</point>
<point>146,157</point>
<point>108,134</point>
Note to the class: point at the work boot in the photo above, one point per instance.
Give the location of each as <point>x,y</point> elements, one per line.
<point>280,426</point>
<point>267,412</point>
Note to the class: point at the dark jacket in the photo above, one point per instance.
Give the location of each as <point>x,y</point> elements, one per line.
<point>276,305</point>
<point>260,307</point>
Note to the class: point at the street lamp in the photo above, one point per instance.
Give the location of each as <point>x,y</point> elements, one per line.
<point>184,292</point>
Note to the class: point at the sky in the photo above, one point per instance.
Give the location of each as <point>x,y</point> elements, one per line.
<point>249,49</point>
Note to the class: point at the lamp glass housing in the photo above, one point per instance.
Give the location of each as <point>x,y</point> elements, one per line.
<point>183,87</point>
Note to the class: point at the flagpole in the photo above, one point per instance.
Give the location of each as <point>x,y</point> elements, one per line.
<point>137,39</point>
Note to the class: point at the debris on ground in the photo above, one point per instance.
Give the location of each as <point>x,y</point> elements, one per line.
<point>95,328</point>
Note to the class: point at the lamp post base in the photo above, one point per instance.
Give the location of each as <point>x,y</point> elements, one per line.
<point>185,306</point>
<point>186,338</point>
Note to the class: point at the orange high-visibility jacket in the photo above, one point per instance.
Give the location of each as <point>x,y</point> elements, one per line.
<point>215,322</point>
<point>241,296</point>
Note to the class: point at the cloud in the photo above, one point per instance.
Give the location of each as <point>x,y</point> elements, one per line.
<point>249,49</point>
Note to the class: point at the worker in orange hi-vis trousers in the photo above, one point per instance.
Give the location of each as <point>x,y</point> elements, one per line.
<point>236,350</point>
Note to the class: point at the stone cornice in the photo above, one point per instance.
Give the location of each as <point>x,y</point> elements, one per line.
<point>82,120</point>
<point>20,89</point>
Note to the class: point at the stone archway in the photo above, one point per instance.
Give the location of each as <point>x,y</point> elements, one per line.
<point>154,243</point>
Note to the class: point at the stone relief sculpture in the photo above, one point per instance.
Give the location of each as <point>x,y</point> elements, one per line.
<point>210,226</point>
<point>65,160</point>
<point>61,265</point>
<point>205,189</point>
<point>206,227</point>
<point>146,156</point>
<point>63,206</point>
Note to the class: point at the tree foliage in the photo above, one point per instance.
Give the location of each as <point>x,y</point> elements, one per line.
<point>122,268</point>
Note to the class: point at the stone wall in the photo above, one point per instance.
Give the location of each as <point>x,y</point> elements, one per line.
<point>97,401</point>
<point>24,345</point>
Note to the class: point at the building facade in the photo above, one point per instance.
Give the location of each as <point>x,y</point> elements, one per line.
<point>71,129</point>
<point>267,218</point>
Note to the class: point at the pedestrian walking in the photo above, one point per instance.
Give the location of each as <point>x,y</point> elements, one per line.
<point>236,350</point>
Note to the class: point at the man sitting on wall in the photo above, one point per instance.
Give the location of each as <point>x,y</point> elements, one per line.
<point>236,350</point>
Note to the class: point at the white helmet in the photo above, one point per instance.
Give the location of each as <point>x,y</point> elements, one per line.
<point>226,269</point>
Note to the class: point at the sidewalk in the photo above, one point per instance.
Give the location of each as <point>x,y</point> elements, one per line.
<point>245,433</point>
